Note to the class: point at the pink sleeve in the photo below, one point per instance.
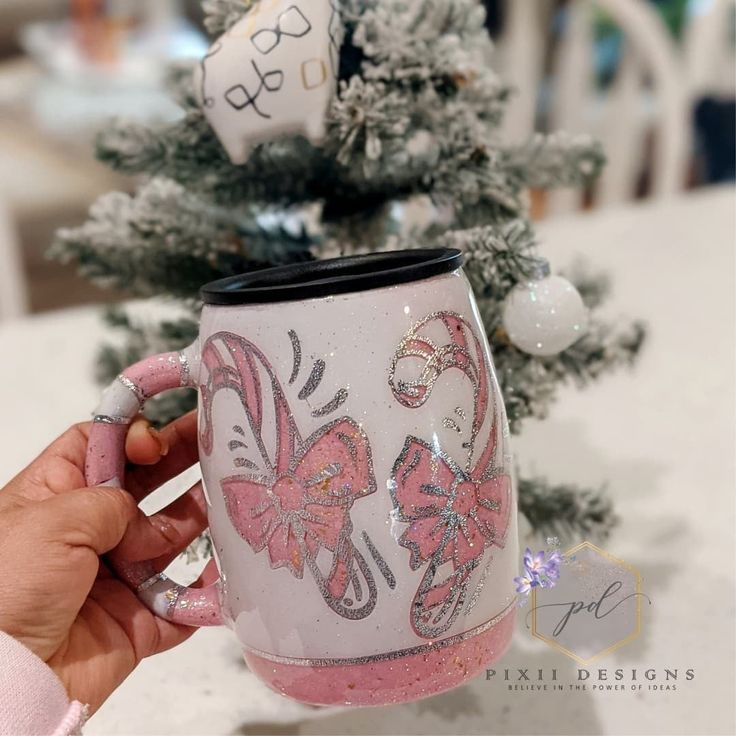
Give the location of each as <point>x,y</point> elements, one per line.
<point>33,702</point>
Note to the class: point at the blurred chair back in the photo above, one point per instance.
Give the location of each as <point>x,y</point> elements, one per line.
<point>645,102</point>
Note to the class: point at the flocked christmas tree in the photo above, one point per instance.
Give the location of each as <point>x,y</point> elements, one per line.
<point>414,120</point>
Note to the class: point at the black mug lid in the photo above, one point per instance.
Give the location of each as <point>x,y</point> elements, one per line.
<point>332,277</point>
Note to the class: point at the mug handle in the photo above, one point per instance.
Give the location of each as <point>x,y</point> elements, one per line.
<point>105,466</point>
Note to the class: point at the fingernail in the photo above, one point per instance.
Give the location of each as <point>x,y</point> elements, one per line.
<point>163,445</point>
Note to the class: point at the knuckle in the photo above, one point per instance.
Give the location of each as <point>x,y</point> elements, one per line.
<point>79,430</point>
<point>150,642</point>
<point>117,495</point>
<point>11,499</point>
<point>97,504</point>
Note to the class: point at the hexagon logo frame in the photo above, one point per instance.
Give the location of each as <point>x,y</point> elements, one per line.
<point>595,607</point>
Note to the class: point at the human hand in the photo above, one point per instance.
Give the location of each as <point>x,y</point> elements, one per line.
<point>58,598</point>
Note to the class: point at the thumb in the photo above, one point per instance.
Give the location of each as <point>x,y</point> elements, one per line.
<point>92,517</point>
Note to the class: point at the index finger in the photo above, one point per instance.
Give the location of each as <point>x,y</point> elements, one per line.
<point>181,438</point>
<point>60,467</point>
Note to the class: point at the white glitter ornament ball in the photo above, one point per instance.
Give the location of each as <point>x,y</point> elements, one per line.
<point>274,73</point>
<point>546,316</point>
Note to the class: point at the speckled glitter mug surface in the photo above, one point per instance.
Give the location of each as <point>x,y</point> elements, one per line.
<point>354,450</point>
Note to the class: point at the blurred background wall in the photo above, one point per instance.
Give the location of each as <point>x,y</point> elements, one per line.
<point>654,79</point>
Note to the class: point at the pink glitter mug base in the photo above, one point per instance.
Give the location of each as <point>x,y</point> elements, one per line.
<point>389,681</point>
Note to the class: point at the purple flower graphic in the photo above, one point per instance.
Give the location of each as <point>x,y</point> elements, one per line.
<point>540,571</point>
<point>525,583</point>
<point>534,564</point>
<point>552,566</point>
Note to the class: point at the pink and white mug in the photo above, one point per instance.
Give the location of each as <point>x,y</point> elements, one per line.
<point>354,450</point>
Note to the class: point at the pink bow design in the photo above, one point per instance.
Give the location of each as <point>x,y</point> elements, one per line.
<point>452,516</point>
<point>297,502</point>
<point>295,512</point>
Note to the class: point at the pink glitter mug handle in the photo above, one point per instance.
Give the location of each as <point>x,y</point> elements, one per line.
<point>105,466</point>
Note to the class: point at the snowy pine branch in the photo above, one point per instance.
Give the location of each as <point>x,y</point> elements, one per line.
<point>497,258</point>
<point>165,240</point>
<point>566,511</point>
<point>222,14</point>
<point>529,384</point>
<point>557,160</point>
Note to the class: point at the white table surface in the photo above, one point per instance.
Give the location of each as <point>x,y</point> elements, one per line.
<point>660,437</point>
